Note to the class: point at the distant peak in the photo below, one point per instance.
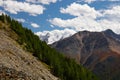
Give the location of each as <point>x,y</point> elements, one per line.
<point>109,31</point>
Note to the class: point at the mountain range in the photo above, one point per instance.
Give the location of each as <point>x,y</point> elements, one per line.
<point>97,51</point>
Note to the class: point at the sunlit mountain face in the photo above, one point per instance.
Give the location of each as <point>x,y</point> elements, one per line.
<point>64,18</point>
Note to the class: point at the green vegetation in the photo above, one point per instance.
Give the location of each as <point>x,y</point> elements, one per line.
<point>62,67</point>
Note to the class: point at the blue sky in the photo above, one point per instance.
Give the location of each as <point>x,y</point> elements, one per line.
<point>52,10</point>
<point>61,15</point>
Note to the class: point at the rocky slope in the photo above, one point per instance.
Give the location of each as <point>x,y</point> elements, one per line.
<point>18,64</point>
<point>97,51</point>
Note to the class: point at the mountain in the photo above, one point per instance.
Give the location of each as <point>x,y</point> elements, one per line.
<point>24,56</point>
<point>97,51</point>
<point>52,36</point>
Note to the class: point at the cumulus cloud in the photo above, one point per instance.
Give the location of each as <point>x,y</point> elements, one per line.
<point>14,7</point>
<point>91,1</point>
<point>112,14</point>
<point>42,1</point>
<point>20,20</point>
<point>88,1</point>
<point>52,26</point>
<point>80,10</point>
<point>87,18</point>
<point>78,23</point>
<point>35,25</point>
<point>55,35</point>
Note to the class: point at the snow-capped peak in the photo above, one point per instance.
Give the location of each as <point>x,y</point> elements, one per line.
<point>55,35</point>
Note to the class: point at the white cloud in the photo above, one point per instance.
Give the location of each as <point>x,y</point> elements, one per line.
<point>89,1</point>
<point>20,20</point>
<point>55,35</point>
<point>113,13</point>
<point>80,10</point>
<point>42,1</point>
<point>114,10</point>
<point>52,26</point>
<point>87,18</point>
<point>35,25</point>
<point>14,7</point>
<point>78,23</point>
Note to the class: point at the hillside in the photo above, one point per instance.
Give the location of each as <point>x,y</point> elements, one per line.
<point>22,51</point>
<point>16,63</point>
<point>97,51</point>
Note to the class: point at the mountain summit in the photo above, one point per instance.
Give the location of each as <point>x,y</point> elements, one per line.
<point>97,51</point>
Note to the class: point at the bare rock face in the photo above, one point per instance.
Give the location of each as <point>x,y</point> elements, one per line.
<point>17,64</point>
<point>97,51</point>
